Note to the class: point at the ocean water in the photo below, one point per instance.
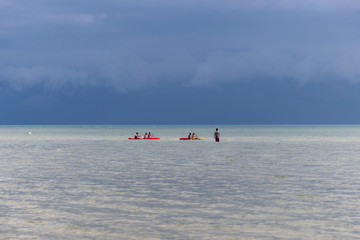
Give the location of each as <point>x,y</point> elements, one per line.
<point>259,182</point>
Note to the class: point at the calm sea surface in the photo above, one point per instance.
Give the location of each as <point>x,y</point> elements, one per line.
<point>268,182</point>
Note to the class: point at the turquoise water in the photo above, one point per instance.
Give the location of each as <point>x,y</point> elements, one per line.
<point>259,182</point>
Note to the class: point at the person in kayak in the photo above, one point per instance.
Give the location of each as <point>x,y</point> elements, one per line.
<point>145,136</point>
<point>190,136</point>
<point>150,135</point>
<point>194,136</point>
<point>217,135</point>
<point>137,136</point>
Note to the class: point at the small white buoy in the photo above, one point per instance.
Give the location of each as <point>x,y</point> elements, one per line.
<point>29,133</point>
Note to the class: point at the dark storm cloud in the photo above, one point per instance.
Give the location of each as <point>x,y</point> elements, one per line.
<point>134,44</point>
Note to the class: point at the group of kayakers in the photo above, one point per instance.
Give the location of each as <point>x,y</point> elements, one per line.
<point>146,136</point>
<point>191,136</point>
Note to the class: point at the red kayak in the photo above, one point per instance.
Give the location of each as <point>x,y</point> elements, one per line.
<point>154,138</point>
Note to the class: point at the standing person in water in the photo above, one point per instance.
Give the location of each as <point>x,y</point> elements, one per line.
<point>217,135</point>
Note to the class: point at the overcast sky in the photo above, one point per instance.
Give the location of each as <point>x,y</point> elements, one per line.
<point>179,62</point>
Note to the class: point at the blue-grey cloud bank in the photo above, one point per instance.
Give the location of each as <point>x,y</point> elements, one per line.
<point>179,62</point>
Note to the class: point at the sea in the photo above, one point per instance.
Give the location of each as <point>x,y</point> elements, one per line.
<point>258,182</point>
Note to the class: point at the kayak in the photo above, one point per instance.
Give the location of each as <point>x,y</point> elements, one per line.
<point>154,138</point>
<point>191,139</point>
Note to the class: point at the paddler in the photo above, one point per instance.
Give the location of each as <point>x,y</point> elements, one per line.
<point>145,136</point>
<point>195,137</point>
<point>137,136</point>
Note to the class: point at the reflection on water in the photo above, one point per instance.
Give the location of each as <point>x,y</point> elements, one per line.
<point>257,183</point>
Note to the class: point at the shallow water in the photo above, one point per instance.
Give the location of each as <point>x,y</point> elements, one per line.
<point>268,182</point>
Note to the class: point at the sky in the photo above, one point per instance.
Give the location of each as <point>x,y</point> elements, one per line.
<point>179,62</point>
